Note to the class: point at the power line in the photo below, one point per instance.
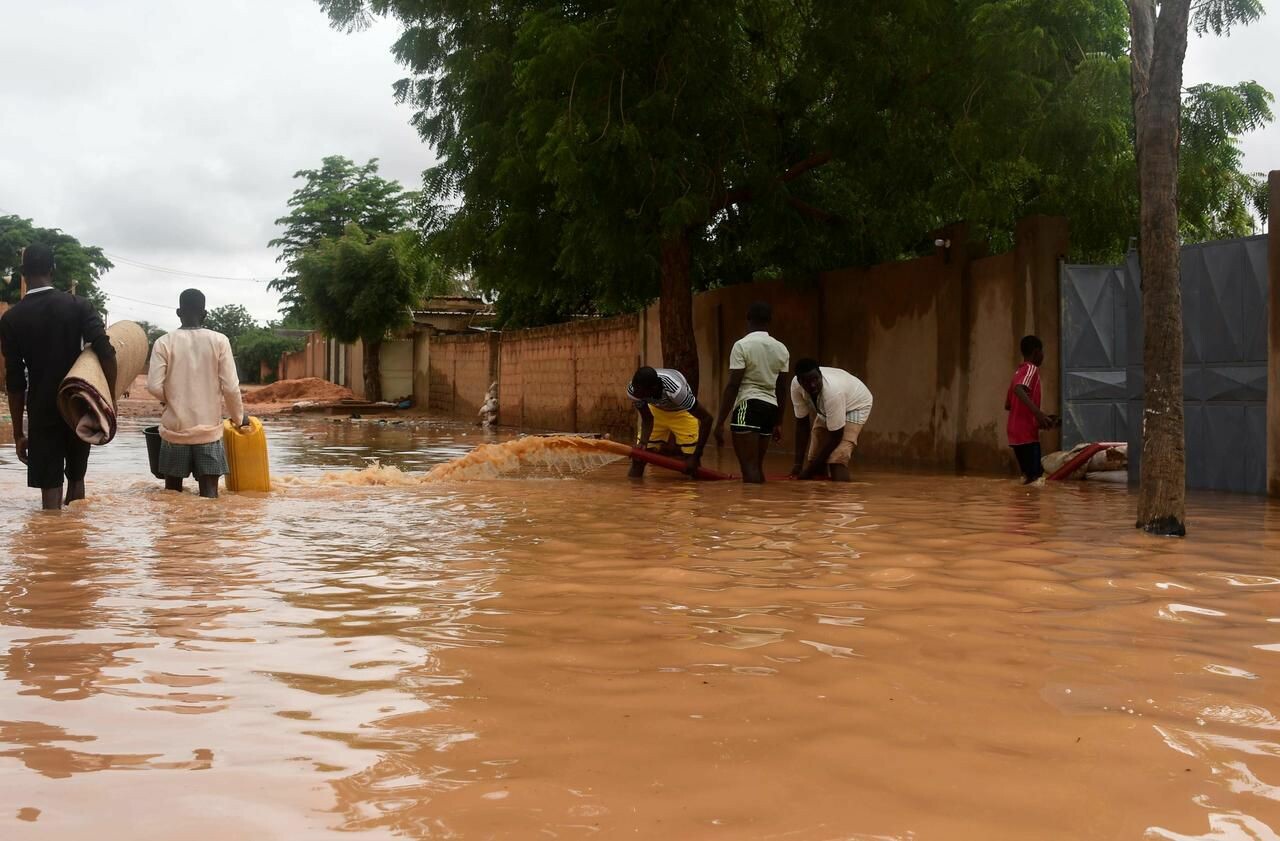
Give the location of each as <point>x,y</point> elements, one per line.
<point>179,272</point>
<point>152,267</point>
<point>136,301</point>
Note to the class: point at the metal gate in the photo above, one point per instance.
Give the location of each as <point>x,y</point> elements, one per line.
<point>1224,360</point>
<point>1094,348</point>
<point>1224,364</point>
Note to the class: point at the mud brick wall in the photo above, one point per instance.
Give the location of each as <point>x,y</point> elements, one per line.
<point>462,369</point>
<point>569,377</point>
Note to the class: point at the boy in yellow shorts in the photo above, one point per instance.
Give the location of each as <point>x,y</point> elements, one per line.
<point>668,408</point>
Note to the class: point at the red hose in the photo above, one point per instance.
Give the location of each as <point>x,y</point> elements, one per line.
<point>678,465</point>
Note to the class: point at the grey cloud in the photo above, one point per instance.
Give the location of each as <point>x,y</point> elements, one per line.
<point>169,132</point>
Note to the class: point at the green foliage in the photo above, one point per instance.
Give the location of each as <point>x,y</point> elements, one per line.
<point>574,139</point>
<point>153,332</point>
<point>258,345</point>
<point>1219,16</point>
<point>337,194</point>
<point>362,286</point>
<point>78,265</point>
<point>1218,199</point>
<point>293,321</point>
<point>231,320</point>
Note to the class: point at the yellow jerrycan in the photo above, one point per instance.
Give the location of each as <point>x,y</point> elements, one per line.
<point>246,456</point>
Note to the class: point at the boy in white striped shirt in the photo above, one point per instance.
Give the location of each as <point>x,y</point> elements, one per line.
<point>668,408</point>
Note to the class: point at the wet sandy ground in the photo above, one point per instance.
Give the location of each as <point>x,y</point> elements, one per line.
<point>913,657</point>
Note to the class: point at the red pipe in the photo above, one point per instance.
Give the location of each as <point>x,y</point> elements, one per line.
<point>677,465</point>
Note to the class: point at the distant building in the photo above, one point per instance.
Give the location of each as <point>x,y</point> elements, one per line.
<point>454,314</point>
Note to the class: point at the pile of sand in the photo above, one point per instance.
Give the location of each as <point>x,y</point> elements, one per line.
<point>290,391</point>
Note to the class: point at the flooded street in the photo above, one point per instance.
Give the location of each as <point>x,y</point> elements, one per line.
<point>912,657</point>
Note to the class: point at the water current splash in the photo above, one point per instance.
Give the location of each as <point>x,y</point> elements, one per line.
<point>532,457</point>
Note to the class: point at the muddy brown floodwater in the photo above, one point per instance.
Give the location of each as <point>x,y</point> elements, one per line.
<point>912,657</point>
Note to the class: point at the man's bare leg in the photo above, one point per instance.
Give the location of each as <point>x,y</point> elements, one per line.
<point>762,449</point>
<point>51,498</point>
<point>75,491</point>
<point>839,473</point>
<point>747,447</point>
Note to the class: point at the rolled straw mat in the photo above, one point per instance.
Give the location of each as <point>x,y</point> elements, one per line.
<point>83,401</point>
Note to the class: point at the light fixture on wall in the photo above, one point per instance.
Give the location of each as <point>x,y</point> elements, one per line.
<point>945,245</point>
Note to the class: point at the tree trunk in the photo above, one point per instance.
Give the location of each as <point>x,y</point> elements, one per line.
<point>1159,47</point>
<point>675,310</point>
<point>372,371</point>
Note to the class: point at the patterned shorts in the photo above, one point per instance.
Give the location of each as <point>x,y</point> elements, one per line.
<point>178,461</point>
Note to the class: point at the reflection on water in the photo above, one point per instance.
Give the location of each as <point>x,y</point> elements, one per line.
<point>911,657</point>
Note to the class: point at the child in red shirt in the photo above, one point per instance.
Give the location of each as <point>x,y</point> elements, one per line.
<point>1022,402</point>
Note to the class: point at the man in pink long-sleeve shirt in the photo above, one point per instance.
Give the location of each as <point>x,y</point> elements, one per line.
<point>193,373</point>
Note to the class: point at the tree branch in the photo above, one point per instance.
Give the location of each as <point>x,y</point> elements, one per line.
<point>806,209</point>
<point>811,162</point>
<point>744,194</point>
<point>1142,36</point>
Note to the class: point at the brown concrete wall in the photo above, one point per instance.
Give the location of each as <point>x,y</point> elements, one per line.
<point>649,337</point>
<point>897,326</point>
<point>395,366</point>
<point>422,368</point>
<point>317,356</point>
<point>462,369</point>
<point>355,370</point>
<point>720,319</point>
<point>1042,242</point>
<point>993,356</point>
<point>935,339</point>
<point>1273,357</point>
<point>569,377</point>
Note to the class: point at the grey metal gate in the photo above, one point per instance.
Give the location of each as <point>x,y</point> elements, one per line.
<point>1094,350</point>
<point>1224,363</point>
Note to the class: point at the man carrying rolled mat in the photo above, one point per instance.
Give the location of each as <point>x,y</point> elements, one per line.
<point>41,337</point>
<point>192,373</point>
<point>668,408</point>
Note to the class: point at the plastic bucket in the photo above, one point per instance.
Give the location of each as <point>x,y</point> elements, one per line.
<point>152,434</point>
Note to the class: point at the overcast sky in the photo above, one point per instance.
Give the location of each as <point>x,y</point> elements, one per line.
<point>168,132</point>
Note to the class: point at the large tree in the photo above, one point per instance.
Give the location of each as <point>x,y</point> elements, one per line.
<point>79,267</point>
<point>231,320</point>
<point>363,287</point>
<point>338,193</point>
<point>1159,46</point>
<point>258,345</point>
<point>598,154</point>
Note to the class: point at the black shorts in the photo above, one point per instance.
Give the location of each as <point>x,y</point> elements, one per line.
<point>754,416</point>
<point>1028,456</point>
<point>54,452</point>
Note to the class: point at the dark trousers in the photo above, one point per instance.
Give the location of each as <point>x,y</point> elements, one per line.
<point>1028,456</point>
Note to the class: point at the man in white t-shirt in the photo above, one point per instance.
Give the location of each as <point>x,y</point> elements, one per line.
<point>841,404</point>
<point>757,376</point>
